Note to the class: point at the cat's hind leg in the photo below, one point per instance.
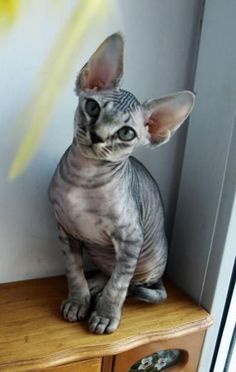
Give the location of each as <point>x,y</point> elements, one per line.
<point>153,293</point>
<point>96,283</point>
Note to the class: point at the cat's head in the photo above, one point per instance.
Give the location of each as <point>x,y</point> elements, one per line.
<point>110,123</point>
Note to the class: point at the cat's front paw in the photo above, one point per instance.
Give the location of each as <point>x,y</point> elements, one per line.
<point>105,318</point>
<point>99,323</point>
<point>75,309</point>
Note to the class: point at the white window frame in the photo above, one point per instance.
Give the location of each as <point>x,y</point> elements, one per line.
<point>202,252</point>
<point>223,359</point>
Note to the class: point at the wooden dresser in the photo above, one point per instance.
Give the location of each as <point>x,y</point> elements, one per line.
<point>34,337</point>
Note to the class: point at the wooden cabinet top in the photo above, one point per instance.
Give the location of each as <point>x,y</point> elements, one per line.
<point>33,335</point>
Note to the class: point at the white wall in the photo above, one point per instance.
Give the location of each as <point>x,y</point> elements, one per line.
<point>160,40</point>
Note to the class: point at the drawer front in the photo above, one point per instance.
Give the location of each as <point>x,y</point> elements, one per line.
<point>90,365</point>
<point>142,357</point>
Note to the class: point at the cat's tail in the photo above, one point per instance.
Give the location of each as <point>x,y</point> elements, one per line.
<point>155,293</point>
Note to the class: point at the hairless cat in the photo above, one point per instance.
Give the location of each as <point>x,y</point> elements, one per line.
<point>105,201</point>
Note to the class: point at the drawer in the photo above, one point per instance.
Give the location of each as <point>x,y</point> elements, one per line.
<point>83,366</point>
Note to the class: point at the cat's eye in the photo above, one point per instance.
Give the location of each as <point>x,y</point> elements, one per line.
<point>126,134</point>
<point>92,108</point>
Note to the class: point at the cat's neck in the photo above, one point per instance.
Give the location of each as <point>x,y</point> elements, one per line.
<point>94,170</point>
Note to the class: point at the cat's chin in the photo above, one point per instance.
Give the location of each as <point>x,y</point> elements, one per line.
<point>87,151</point>
<point>90,153</point>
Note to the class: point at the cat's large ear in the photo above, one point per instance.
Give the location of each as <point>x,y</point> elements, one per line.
<point>105,68</point>
<point>165,115</point>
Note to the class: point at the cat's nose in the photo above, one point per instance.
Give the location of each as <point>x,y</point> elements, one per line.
<point>95,138</point>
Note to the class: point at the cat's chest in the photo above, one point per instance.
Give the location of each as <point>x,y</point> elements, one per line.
<point>89,214</point>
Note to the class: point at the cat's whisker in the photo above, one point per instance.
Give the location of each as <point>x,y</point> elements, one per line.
<point>81,134</point>
<point>101,152</point>
<point>107,150</point>
<point>82,137</point>
<point>82,129</point>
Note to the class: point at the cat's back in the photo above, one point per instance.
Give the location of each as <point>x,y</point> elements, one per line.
<point>153,255</point>
<point>143,183</point>
<point>148,199</point>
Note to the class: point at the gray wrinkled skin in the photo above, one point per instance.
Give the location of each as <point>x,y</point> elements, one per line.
<point>114,211</point>
<point>108,204</point>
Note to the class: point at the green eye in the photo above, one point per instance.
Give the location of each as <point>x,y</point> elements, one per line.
<point>126,134</point>
<point>92,108</point>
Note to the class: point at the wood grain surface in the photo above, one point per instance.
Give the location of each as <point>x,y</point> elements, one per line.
<point>91,365</point>
<point>34,336</point>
